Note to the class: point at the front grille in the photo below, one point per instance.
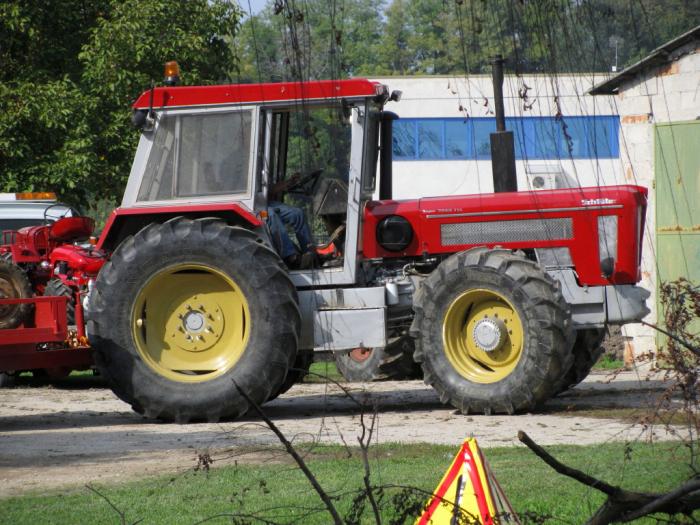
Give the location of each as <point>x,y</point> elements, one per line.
<point>506,231</point>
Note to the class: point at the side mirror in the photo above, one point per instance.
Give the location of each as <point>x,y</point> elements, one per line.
<point>143,119</point>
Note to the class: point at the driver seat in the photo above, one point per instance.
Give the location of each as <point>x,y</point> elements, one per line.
<point>330,204</point>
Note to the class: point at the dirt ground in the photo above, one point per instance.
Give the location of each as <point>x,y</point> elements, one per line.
<point>78,432</point>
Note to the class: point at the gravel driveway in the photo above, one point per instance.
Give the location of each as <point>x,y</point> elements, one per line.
<point>79,432</point>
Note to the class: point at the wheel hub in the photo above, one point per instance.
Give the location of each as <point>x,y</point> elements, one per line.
<point>483,335</point>
<point>190,322</point>
<point>197,324</point>
<point>194,322</point>
<point>489,333</point>
<point>360,355</point>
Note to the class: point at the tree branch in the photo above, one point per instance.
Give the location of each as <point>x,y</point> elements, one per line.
<point>677,339</point>
<point>566,470</point>
<point>299,460</point>
<point>677,495</point>
<point>122,515</point>
<point>624,505</point>
<point>364,446</point>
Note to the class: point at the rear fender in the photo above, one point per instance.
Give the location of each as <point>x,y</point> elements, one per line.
<point>128,221</point>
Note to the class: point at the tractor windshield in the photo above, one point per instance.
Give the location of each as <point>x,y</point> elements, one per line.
<point>198,155</point>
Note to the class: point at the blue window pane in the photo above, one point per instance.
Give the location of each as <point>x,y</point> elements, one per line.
<point>404,139</point>
<point>548,141</point>
<point>457,144</point>
<point>536,138</point>
<point>603,137</point>
<point>519,128</point>
<point>430,139</point>
<point>483,127</point>
<point>576,143</point>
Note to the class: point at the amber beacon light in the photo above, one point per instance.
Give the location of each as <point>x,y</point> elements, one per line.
<point>172,73</point>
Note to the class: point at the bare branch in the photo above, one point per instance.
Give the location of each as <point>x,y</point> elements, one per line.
<point>566,470</point>
<point>364,447</point>
<point>624,505</point>
<point>299,460</point>
<point>677,339</point>
<point>122,515</point>
<point>691,488</point>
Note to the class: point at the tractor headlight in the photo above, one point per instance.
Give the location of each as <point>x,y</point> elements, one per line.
<point>394,233</point>
<point>607,243</point>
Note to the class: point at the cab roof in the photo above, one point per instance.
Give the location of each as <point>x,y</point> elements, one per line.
<point>185,96</point>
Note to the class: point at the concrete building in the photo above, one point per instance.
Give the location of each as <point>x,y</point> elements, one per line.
<point>658,101</point>
<point>563,137</point>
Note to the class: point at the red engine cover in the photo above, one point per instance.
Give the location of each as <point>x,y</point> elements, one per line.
<point>505,219</point>
<point>30,244</point>
<point>78,259</point>
<point>72,228</point>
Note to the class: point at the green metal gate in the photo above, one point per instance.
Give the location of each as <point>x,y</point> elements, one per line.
<point>677,174</point>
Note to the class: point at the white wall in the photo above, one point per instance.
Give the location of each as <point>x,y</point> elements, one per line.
<point>453,97</point>
<point>669,93</point>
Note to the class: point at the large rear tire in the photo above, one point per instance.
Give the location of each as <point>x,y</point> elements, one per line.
<point>13,285</point>
<point>492,331</point>
<point>187,312</point>
<point>393,362</point>
<point>297,373</point>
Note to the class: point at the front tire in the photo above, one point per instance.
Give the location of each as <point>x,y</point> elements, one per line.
<point>492,331</point>
<point>187,311</point>
<point>587,350</point>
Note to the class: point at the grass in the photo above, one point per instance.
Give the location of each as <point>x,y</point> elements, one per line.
<point>324,370</point>
<point>607,362</point>
<point>279,490</point>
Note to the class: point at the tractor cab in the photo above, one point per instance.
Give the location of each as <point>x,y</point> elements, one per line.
<point>312,147</point>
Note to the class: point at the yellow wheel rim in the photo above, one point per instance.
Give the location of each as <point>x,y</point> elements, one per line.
<point>190,323</point>
<point>482,336</point>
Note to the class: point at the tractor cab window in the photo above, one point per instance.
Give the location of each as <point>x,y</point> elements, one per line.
<point>308,166</point>
<point>198,155</point>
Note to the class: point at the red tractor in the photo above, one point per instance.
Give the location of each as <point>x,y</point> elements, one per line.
<point>54,260</point>
<point>502,298</point>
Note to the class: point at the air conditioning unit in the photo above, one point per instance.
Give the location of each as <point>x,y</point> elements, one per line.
<point>544,177</point>
<point>542,181</point>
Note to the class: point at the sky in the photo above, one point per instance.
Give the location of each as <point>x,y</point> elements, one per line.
<point>255,5</point>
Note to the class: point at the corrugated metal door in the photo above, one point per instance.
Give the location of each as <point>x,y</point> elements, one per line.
<point>677,173</point>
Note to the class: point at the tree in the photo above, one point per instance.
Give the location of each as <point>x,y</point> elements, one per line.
<point>69,71</point>
<point>315,39</point>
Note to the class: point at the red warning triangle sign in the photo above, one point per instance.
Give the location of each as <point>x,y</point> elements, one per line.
<point>468,493</point>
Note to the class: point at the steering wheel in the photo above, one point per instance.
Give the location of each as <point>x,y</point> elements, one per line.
<point>303,183</point>
<point>65,214</point>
